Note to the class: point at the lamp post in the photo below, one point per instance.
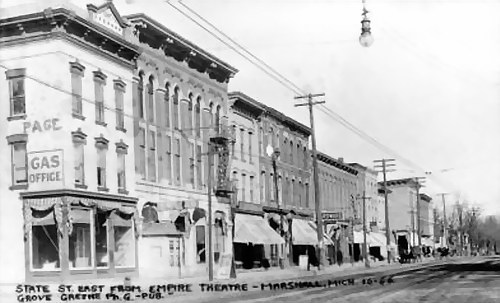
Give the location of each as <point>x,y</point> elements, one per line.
<point>274,153</point>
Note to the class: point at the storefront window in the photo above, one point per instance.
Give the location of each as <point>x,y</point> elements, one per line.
<point>80,244</point>
<point>101,239</point>
<point>124,242</point>
<point>45,242</point>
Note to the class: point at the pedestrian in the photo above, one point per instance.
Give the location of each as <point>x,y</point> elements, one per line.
<point>340,257</point>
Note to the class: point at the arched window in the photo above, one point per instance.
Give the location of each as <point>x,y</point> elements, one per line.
<point>167,105</point>
<point>197,117</point>
<point>150,100</point>
<point>140,92</point>
<point>211,109</point>
<point>190,114</point>
<point>270,138</point>
<point>217,120</point>
<point>175,108</point>
<point>291,153</point>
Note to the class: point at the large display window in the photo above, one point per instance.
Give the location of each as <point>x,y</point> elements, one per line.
<point>81,240</point>
<point>65,237</point>
<point>44,242</point>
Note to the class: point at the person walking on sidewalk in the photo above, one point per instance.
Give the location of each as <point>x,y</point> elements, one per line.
<point>340,257</point>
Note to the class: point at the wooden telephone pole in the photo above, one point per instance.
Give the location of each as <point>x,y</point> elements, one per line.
<point>385,164</point>
<point>317,201</point>
<point>419,183</point>
<point>365,246</point>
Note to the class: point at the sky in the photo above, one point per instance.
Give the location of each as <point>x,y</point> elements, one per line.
<point>428,88</point>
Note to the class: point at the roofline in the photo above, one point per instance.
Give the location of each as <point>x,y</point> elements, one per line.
<point>341,165</point>
<point>179,38</point>
<point>355,164</point>
<point>403,181</point>
<point>71,14</point>
<point>425,197</point>
<point>243,97</point>
<point>272,112</point>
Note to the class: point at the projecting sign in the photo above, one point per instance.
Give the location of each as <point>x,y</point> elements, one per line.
<point>332,215</point>
<point>45,169</point>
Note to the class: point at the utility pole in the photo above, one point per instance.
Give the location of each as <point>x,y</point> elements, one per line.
<point>418,186</point>
<point>211,150</point>
<point>317,202</point>
<point>365,246</point>
<point>385,164</point>
<point>444,219</point>
<point>353,219</point>
<point>216,145</point>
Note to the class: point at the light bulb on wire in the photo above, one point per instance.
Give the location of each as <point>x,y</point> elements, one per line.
<point>366,38</point>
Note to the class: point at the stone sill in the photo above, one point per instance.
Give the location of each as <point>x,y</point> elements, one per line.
<point>16,117</point>
<point>78,116</point>
<point>82,186</point>
<point>19,186</point>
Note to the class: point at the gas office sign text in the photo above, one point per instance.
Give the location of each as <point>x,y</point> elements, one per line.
<point>45,169</point>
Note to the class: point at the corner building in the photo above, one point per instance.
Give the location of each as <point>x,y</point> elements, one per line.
<point>68,204</point>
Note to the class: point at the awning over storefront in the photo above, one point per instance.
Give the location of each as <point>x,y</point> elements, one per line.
<point>428,242</point>
<point>377,239</point>
<point>254,229</point>
<point>303,233</point>
<point>327,239</point>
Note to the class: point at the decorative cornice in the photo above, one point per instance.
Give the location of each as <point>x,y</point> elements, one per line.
<point>121,147</point>
<point>62,22</point>
<point>79,136</point>
<point>119,84</point>
<point>76,67</point>
<point>78,193</point>
<point>17,138</point>
<point>15,73</point>
<point>159,37</point>
<point>101,142</point>
<point>99,76</point>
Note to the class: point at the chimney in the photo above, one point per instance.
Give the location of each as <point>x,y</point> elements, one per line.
<point>341,160</point>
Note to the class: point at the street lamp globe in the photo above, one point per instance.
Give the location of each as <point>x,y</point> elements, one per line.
<point>366,39</point>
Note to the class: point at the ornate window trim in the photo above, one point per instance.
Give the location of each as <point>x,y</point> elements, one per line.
<point>79,136</point>
<point>101,142</point>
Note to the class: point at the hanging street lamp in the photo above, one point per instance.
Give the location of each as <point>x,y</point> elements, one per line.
<point>366,38</point>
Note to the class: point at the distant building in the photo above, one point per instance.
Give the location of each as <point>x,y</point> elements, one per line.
<point>338,190</point>
<point>367,183</point>
<point>426,216</point>
<point>402,211</point>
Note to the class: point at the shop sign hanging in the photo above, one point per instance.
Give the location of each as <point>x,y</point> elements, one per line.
<point>223,187</point>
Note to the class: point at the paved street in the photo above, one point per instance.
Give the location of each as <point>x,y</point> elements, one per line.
<point>466,280</point>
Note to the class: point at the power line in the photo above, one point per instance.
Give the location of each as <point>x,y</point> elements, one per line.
<point>287,83</point>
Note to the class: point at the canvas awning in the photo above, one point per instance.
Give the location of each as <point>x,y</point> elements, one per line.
<point>303,233</point>
<point>427,242</point>
<point>377,239</point>
<point>327,239</point>
<point>254,229</point>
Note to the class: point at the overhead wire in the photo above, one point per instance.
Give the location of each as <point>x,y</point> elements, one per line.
<point>293,87</point>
